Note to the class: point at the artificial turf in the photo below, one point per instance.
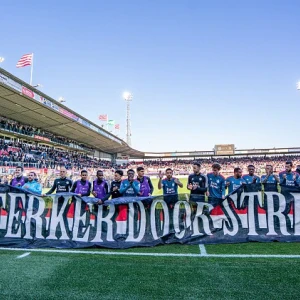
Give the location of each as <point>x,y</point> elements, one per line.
<point>87,276</point>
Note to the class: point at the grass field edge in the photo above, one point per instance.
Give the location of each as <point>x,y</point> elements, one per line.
<point>281,256</point>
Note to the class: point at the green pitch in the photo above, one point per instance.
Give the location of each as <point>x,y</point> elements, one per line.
<point>125,275</point>
<point>231,271</point>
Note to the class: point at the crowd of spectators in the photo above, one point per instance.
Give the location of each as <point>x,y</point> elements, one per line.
<point>152,167</point>
<point>29,155</point>
<point>184,167</point>
<point>14,154</point>
<point>34,155</point>
<point>13,126</point>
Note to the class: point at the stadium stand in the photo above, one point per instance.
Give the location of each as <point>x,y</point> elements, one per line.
<point>38,134</point>
<point>47,160</point>
<point>47,157</point>
<point>34,156</point>
<point>184,167</point>
<point>45,145</point>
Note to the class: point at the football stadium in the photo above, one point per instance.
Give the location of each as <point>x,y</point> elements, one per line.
<point>185,187</point>
<point>57,137</point>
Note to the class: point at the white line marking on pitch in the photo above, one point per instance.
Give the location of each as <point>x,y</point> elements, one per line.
<point>202,250</point>
<point>156,254</point>
<point>24,255</point>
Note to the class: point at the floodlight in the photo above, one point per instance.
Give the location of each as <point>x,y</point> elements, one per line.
<point>61,99</point>
<point>127,96</point>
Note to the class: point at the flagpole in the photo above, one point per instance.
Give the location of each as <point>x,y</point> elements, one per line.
<point>31,71</point>
<point>107,123</point>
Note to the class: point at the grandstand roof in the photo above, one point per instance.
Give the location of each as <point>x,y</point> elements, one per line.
<point>25,104</point>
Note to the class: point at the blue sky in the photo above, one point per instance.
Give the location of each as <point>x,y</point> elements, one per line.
<point>201,72</point>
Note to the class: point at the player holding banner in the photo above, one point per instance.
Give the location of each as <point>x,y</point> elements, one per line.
<point>235,181</point>
<point>251,177</point>
<point>61,184</point>
<point>288,177</point>
<point>32,185</point>
<point>146,187</point>
<point>130,187</point>
<point>216,183</point>
<point>82,187</point>
<point>270,180</point>
<point>270,177</point>
<point>19,179</point>
<point>115,186</point>
<point>197,182</point>
<point>169,186</point>
<point>100,187</point>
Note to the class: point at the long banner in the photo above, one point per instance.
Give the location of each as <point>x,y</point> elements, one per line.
<point>68,221</point>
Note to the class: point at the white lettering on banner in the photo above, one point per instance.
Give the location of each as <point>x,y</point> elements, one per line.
<point>153,219</point>
<point>232,219</point>
<point>3,197</point>
<point>180,234</point>
<point>185,221</point>
<point>234,198</point>
<point>3,218</point>
<point>15,220</point>
<point>142,227</point>
<point>279,213</point>
<point>200,216</point>
<point>251,209</point>
<point>80,218</point>
<point>34,215</point>
<point>57,219</point>
<point>108,221</point>
<point>296,213</point>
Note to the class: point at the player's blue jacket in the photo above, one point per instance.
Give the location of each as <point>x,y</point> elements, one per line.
<point>216,185</point>
<point>249,179</point>
<point>130,190</point>
<point>289,180</point>
<point>235,183</point>
<point>33,186</point>
<point>270,179</point>
<point>170,187</point>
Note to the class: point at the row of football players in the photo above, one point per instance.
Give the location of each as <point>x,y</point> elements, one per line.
<point>213,184</point>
